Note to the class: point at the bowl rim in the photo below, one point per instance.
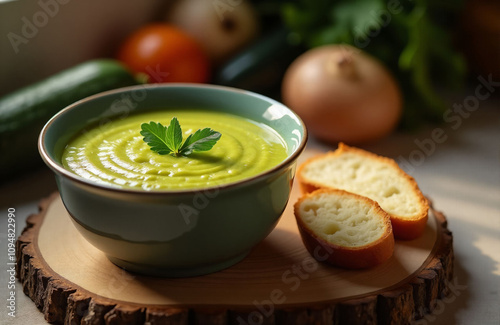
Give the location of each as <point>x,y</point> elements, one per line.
<point>59,169</point>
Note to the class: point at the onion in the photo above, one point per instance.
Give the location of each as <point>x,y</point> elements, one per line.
<point>343,95</point>
<point>221,27</point>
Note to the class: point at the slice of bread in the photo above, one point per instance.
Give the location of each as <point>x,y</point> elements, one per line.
<point>344,229</point>
<point>376,177</point>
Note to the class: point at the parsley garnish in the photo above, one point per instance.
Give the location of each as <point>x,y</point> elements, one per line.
<point>165,140</point>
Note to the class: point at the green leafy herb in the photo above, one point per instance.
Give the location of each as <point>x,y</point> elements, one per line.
<point>201,140</point>
<point>165,140</point>
<point>155,135</point>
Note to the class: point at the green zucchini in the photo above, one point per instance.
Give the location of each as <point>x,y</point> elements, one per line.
<point>260,67</point>
<point>24,112</point>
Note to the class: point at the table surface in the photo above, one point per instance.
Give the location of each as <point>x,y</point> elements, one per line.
<point>457,164</point>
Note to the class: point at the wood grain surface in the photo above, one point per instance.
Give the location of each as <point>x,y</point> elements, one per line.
<point>278,283</point>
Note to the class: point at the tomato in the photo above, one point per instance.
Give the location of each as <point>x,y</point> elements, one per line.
<point>165,54</point>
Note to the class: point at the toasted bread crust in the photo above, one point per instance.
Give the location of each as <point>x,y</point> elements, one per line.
<point>366,256</point>
<point>404,227</point>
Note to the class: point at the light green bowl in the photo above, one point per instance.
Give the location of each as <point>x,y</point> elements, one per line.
<point>175,233</point>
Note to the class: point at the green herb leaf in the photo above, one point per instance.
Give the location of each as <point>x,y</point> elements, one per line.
<point>201,140</point>
<point>155,135</point>
<point>165,140</point>
<point>174,135</point>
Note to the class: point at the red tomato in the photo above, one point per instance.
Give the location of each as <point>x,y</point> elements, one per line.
<point>165,54</point>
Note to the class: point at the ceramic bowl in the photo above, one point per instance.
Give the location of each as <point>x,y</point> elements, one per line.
<point>169,232</point>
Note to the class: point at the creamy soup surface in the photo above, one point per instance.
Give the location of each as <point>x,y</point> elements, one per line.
<point>116,154</point>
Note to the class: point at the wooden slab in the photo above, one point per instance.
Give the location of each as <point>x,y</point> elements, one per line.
<point>278,283</point>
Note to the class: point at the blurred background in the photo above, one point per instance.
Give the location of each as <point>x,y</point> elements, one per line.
<point>407,56</point>
<point>43,37</point>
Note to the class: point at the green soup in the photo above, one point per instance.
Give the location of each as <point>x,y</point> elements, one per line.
<point>116,154</point>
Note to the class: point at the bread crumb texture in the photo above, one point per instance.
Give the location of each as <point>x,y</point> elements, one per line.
<point>374,178</point>
<point>342,220</point>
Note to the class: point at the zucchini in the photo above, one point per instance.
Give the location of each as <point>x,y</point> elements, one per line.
<point>24,112</point>
<point>261,67</point>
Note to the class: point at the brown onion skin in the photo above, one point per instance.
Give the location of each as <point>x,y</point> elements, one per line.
<point>343,95</point>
